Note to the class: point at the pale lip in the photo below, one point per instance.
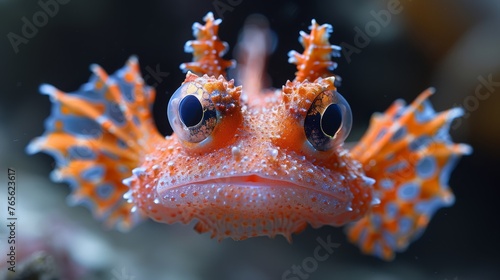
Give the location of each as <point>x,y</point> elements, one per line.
<point>251,180</point>
<point>254,193</point>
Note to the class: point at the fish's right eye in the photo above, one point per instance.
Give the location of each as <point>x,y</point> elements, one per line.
<point>191,113</point>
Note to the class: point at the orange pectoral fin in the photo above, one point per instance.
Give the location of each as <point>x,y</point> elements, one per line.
<point>408,151</point>
<point>97,136</point>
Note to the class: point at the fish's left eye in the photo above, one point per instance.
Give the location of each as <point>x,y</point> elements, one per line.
<point>191,113</point>
<point>328,121</point>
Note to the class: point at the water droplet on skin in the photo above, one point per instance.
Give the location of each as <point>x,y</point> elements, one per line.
<point>127,195</point>
<point>236,152</point>
<point>274,153</point>
<point>170,165</point>
<point>139,171</point>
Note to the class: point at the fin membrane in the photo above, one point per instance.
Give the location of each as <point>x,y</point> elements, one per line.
<point>408,151</point>
<point>97,136</point>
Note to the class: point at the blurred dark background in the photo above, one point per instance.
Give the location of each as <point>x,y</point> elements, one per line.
<point>451,45</point>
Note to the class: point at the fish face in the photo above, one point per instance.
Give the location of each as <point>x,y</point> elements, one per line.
<point>269,176</point>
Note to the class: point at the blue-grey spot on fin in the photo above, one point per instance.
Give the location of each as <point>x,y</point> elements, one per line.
<point>426,167</point>
<point>79,126</point>
<point>94,173</point>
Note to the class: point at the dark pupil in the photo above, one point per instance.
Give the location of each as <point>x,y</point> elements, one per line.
<point>190,111</point>
<point>331,120</point>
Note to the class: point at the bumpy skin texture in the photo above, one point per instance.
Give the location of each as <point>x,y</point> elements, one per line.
<point>250,166</point>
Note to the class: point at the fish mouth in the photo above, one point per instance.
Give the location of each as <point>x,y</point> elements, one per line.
<point>239,206</point>
<point>249,180</point>
<point>228,189</point>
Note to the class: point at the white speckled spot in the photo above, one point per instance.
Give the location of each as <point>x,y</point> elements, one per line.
<point>236,152</point>
<point>139,171</point>
<point>274,153</point>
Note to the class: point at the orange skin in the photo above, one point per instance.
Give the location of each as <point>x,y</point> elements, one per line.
<point>255,175</point>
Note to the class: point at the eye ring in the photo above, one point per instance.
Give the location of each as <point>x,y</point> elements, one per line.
<point>191,113</point>
<point>328,121</point>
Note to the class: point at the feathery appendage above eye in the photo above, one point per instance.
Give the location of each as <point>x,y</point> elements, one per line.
<point>316,59</point>
<point>207,49</point>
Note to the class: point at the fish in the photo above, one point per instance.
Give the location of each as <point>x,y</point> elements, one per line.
<point>241,162</point>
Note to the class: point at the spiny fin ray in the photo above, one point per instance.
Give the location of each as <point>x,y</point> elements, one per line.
<point>97,136</point>
<point>408,151</point>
